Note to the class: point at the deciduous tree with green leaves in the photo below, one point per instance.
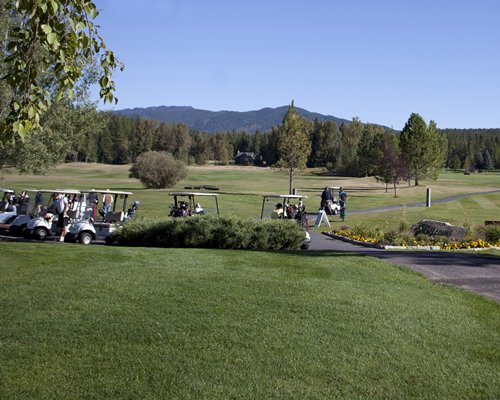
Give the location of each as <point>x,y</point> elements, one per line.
<point>294,145</point>
<point>49,46</point>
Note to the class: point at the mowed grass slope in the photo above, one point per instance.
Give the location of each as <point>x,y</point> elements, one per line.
<point>101,322</point>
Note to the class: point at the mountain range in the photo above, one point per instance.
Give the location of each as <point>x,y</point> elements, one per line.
<point>216,121</point>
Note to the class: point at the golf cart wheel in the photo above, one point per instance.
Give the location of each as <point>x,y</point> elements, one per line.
<point>85,238</point>
<point>41,233</point>
<point>22,229</point>
<point>69,238</point>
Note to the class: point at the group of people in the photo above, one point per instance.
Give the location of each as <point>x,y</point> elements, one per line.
<point>64,203</point>
<point>9,200</point>
<point>183,210</point>
<point>107,203</point>
<point>327,198</point>
<point>295,211</point>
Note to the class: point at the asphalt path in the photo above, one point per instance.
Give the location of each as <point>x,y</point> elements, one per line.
<point>474,272</point>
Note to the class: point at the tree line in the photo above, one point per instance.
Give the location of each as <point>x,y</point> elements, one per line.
<point>81,133</point>
<point>470,149</point>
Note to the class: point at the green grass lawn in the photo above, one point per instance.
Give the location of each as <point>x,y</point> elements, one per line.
<point>241,189</point>
<point>101,322</point>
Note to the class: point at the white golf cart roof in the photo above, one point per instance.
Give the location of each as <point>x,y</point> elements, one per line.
<point>193,194</point>
<point>118,192</point>
<point>63,191</point>
<point>3,190</point>
<point>285,196</point>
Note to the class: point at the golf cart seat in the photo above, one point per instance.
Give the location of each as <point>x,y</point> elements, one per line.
<point>71,214</point>
<point>115,217</point>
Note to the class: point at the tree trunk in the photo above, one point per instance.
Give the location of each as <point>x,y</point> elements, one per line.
<point>395,189</point>
<point>291,181</point>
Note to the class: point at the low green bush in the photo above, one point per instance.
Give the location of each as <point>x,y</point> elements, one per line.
<point>391,237</point>
<point>212,232</point>
<point>492,233</point>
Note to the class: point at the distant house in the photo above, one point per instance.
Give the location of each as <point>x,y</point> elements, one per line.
<point>246,158</point>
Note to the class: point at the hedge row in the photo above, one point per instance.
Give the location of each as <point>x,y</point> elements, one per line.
<point>211,232</point>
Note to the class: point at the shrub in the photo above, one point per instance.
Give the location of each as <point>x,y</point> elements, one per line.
<point>492,233</point>
<point>158,170</point>
<point>212,232</point>
<point>391,237</point>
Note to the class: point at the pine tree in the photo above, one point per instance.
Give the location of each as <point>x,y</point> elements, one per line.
<point>294,146</point>
<point>422,148</point>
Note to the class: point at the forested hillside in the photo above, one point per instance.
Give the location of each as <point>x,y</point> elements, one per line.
<point>230,121</point>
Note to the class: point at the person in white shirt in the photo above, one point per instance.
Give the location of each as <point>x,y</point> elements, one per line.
<point>61,202</point>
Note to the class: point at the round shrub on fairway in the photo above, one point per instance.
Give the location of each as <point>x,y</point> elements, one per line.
<point>158,170</point>
<point>212,232</point>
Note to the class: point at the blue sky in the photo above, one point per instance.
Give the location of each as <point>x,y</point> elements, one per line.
<point>378,60</point>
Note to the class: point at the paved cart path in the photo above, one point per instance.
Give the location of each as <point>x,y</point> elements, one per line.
<point>475,272</point>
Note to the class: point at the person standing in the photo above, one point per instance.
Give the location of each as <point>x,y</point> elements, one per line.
<point>342,203</point>
<point>61,203</point>
<point>326,199</point>
<point>107,201</point>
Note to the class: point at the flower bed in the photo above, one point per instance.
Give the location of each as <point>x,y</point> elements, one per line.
<point>428,244</point>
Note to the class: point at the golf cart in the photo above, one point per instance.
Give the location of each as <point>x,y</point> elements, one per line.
<point>8,206</point>
<point>288,206</point>
<point>332,207</point>
<point>44,225</point>
<point>286,200</point>
<point>329,203</point>
<point>93,227</point>
<point>31,206</point>
<point>185,204</point>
